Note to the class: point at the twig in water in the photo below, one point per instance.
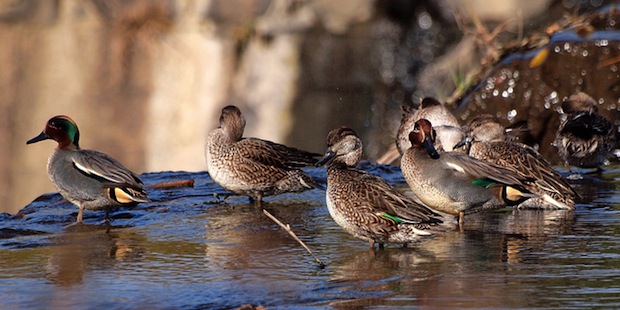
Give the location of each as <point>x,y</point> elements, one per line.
<point>290,232</point>
<point>182,183</point>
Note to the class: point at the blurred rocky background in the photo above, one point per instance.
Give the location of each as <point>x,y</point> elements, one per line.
<point>145,79</point>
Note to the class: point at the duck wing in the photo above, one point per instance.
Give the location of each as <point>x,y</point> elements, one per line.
<point>586,125</point>
<point>465,166</point>
<point>122,185</point>
<point>101,166</point>
<point>387,202</point>
<point>527,162</point>
<point>275,154</point>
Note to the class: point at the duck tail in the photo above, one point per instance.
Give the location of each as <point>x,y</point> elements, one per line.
<point>126,194</point>
<point>511,195</point>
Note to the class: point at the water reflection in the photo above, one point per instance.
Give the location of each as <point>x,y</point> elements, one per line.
<point>245,237</point>
<point>437,273</point>
<point>75,254</point>
<point>194,254</point>
<point>477,261</point>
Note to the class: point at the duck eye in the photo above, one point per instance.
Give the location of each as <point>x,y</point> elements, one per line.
<point>57,124</point>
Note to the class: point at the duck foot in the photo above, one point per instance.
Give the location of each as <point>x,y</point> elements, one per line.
<point>83,227</point>
<point>74,226</point>
<point>221,197</point>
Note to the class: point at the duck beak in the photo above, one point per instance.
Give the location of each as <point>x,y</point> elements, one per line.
<point>430,148</point>
<point>463,142</point>
<point>327,158</point>
<point>42,136</point>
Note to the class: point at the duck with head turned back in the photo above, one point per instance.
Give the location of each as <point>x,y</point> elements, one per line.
<point>585,138</point>
<point>454,182</point>
<point>487,140</point>
<point>446,126</point>
<point>252,166</point>
<point>87,178</point>
<point>366,206</point>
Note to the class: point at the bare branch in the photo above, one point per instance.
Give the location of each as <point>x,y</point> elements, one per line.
<point>290,232</point>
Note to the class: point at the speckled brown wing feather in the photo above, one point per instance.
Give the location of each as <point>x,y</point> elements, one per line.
<point>526,162</point>
<point>382,197</point>
<point>363,213</point>
<point>275,154</point>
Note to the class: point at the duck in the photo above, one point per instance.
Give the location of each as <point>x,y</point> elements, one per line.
<point>89,179</point>
<point>447,128</point>
<point>252,166</point>
<point>454,182</point>
<point>487,140</point>
<point>365,205</point>
<point>584,138</point>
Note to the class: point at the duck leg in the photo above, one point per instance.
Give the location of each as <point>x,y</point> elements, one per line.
<point>107,219</point>
<point>79,216</point>
<point>259,200</point>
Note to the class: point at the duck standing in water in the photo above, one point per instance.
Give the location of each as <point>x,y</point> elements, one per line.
<point>585,138</point>
<point>453,182</point>
<point>87,178</point>
<point>252,166</point>
<point>366,206</point>
<point>487,140</point>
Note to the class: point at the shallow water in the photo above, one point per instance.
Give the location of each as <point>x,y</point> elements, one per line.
<point>188,250</point>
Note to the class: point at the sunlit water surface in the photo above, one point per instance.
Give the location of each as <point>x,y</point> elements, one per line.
<point>188,250</point>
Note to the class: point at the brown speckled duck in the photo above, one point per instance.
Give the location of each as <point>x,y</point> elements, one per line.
<point>87,178</point>
<point>252,166</point>
<point>487,140</point>
<point>585,138</point>
<point>366,206</point>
